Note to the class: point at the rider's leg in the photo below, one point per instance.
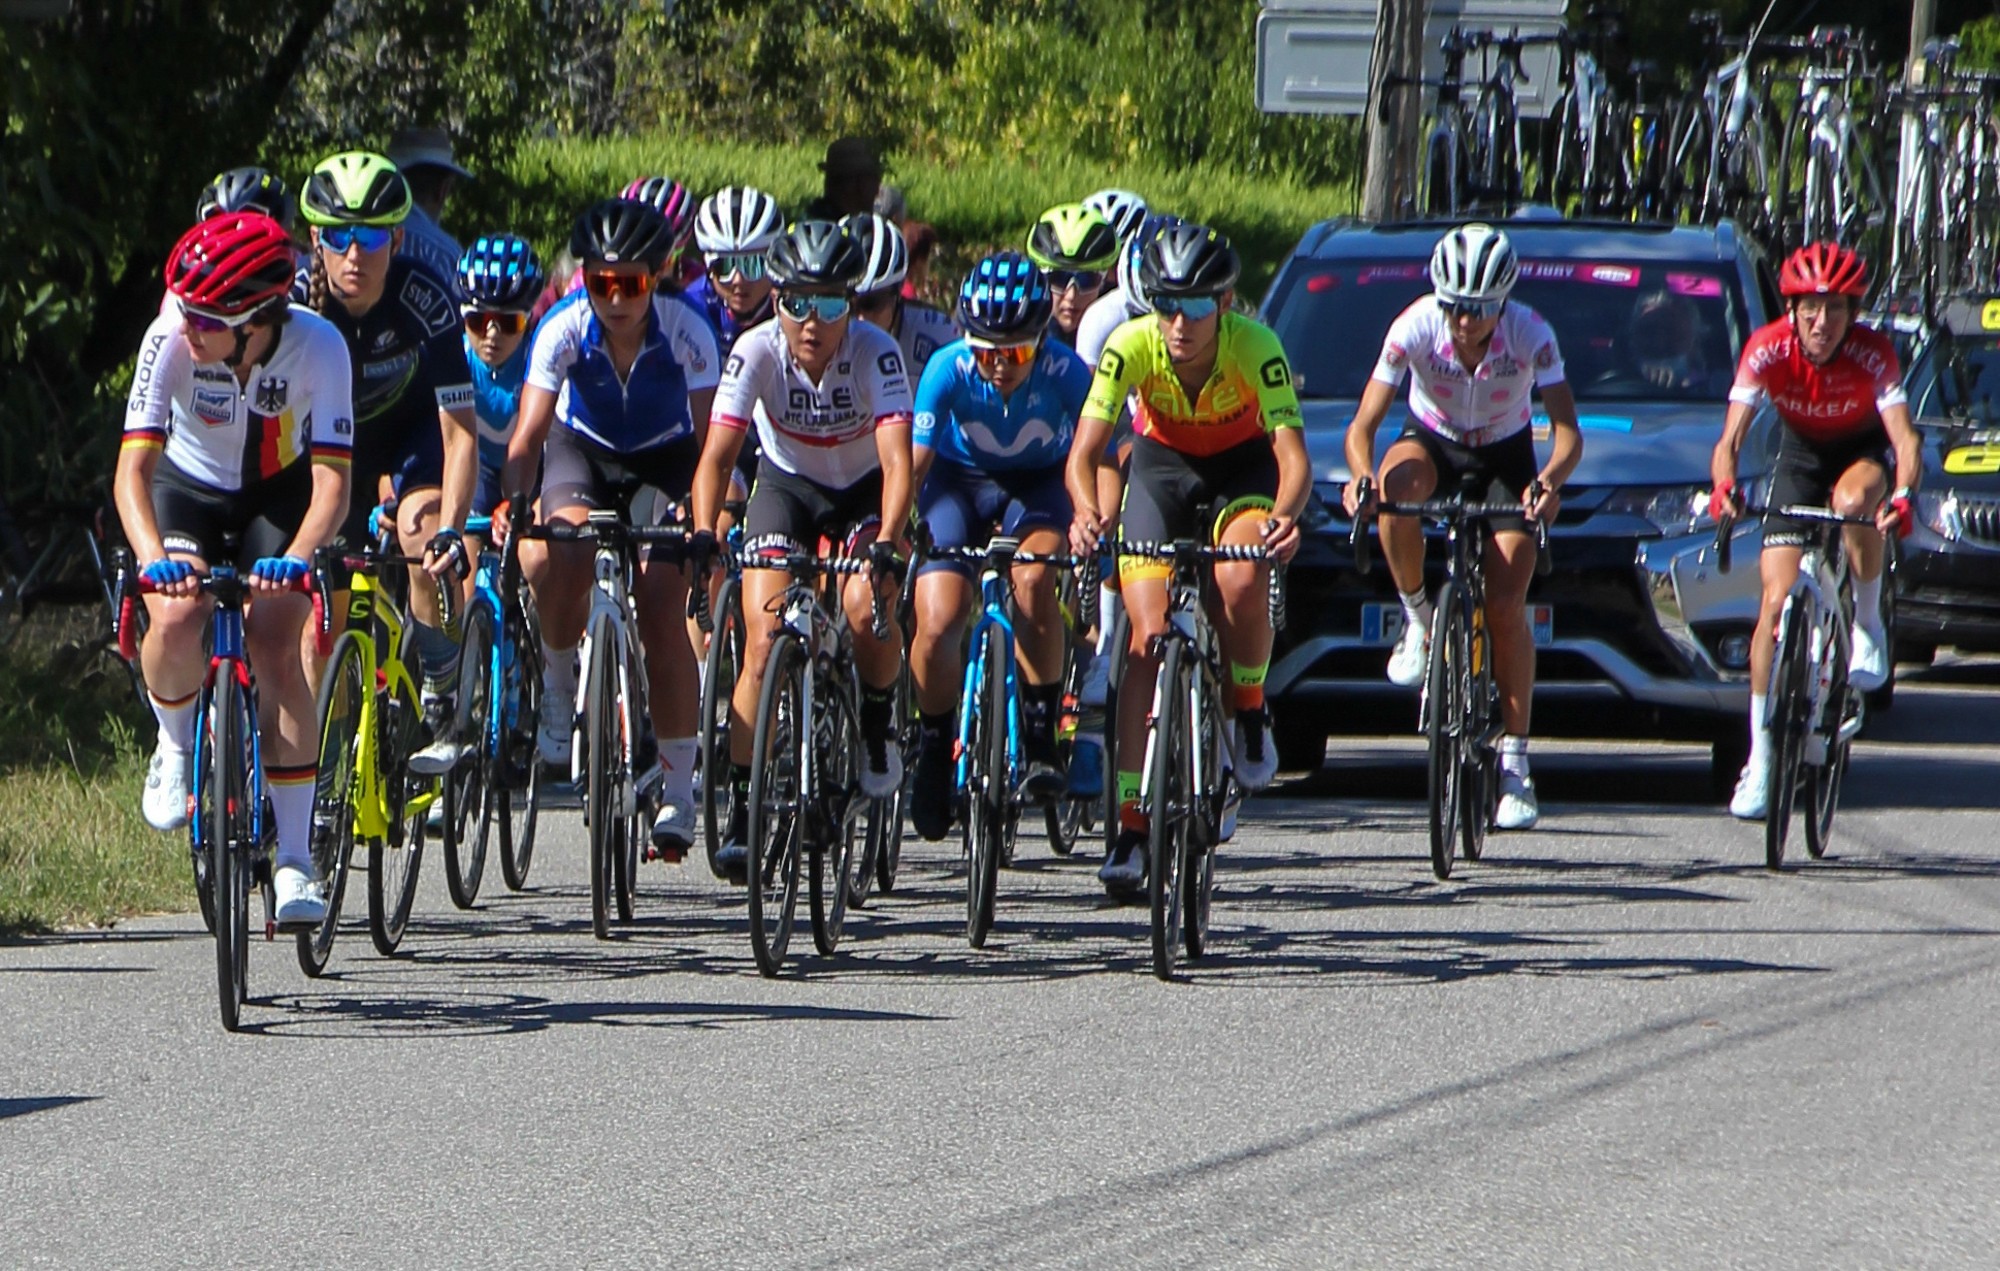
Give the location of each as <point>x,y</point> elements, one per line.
<point>1510,568</point>
<point>289,719</point>
<point>417,512</point>
<point>1408,475</point>
<point>1858,492</point>
<point>558,576</point>
<point>672,682</point>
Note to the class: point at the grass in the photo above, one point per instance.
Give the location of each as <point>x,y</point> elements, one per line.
<point>975,205</point>
<point>73,745</point>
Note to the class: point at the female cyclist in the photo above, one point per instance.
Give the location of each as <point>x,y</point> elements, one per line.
<point>1078,248</point>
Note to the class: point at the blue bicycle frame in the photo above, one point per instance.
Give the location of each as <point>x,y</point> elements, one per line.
<point>994,592</point>
<point>500,665</point>
<point>226,643</point>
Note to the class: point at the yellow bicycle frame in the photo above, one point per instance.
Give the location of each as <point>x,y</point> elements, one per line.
<point>367,603</point>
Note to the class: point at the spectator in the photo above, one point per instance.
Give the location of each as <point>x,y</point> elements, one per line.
<point>424,157</point>
<point>890,205</point>
<point>852,179</point>
<point>923,241</point>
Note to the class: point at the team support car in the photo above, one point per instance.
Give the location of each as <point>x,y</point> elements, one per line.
<point>1638,634</point>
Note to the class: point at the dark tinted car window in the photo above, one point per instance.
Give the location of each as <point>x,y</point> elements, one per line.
<point>1653,332</point>
<point>1971,391</point>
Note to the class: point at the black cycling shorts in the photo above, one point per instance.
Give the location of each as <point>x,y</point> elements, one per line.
<point>1165,490</point>
<point>405,443</point>
<point>1804,476</point>
<point>1498,473</point>
<point>577,472</point>
<point>261,519</point>
<point>801,510</point>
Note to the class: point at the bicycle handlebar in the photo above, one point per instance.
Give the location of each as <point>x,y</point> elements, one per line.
<point>227,588</point>
<point>1186,550</point>
<point>778,552</point>
<point>1724,539</point>
<point>1444,511</point>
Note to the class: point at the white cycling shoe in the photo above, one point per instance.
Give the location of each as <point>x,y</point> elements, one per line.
<point>1868,664</point>
<point>300,903</point>
<point>1518,809</point>
<point>552,735</point>
<point>1410,657</point>
<point>165,800</point>
<point>1753,791</point>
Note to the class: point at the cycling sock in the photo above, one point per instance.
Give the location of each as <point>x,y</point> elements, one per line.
<point>1110,603</point>
<point>176,721</point>
<point>1417,606</point>
<point>877,704</point>
<point>438,653</point>
<point>677,756</point>
<point>1248,682</point>
<point>1039,705</point>
<point>292,807</point>
<point>1760,736</point>
<point>1130,816</point>
<point>936,728</point>
<point>1514,755</point>
<point>558,673</point>
<point>1868,604</point>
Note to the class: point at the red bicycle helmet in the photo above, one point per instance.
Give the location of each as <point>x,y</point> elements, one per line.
<point>1821,269</point>
<point>232,263</point>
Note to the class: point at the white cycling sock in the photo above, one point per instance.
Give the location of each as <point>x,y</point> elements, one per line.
<point>558,674</point>
<point>1760,736</point>
<point>1514,755</point>
<point>1110,603</point>
<point>678,758</point>
<point>1418,609</point>
<point>292,807</point>
<point>176,722</point>
<point>1868,604</point>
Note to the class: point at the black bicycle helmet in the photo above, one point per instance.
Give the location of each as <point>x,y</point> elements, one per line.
<point>247,189</point>
<point>817,254</point>
<point>619,231</point>
<point>1005,300</point>
<point>1188,260</point>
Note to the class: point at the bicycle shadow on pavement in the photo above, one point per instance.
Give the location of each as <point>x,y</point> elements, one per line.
<point>433,1014</point>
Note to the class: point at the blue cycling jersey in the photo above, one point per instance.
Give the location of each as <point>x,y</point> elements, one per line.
<point>704,296</point>
<point>496,399</point>
<point>963,418</point>
<point>649,406</point>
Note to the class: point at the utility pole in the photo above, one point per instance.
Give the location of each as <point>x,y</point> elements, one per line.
<point>1390,179</point>
<point>1923,16</point>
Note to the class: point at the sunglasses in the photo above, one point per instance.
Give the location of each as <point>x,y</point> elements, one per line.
<point>1193,308</point>
<point>372,238</point>
<point>504,321</point>
<point>210,323</point>
<point>991,356</point>
<point>609,284</point>
<point>1061,280</point>
<point>749,264</point>
<point>1477,310</point>
<point>825,308</point>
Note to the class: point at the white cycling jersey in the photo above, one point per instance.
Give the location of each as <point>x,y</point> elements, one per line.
<point>1106,314</point>
<point>923,330</point>
<point>298,403</point>
<point>824,432</point>
<point>1479,407</point>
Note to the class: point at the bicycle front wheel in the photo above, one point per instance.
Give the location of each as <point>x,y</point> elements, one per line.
<point>514,792</point>
<point>224,807</point>
<point>875,865</point>
<point>777,808</point>
<point>1823,780</point>
<point>1203,832</point>
<point>837,767</point>
<point>465,787</point>
<point>1445,699</point>
<point>343,694</point>
<point>718,683</point>
<point>1169,782</point>
<point>604,763</point>
<point>1789,675</point>
<point>987,797</point>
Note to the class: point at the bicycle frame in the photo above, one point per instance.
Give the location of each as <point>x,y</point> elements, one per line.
<point>612,617</point>
<point>228,659</point>
<point>996,604</point>
<point>368,603</point>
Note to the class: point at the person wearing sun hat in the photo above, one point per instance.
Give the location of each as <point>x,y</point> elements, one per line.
<point>423,155</point>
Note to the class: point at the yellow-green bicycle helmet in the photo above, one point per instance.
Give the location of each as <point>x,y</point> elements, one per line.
<point>1073,237</point>
<point>358,187</point>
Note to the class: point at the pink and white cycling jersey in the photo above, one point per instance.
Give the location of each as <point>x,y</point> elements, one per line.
<point>824,432</point>
<point>1479,407</point>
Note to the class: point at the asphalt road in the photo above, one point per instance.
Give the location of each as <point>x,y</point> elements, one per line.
<point>1618,1042</point>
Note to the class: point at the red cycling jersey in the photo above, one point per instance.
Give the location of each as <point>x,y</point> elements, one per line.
<point>1834,402</point>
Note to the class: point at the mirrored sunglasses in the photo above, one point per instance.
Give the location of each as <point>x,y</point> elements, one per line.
<point>610,284</point>
<point>990,356</point>
<point>372,238</point>
<point>1193,308</point>
<point>1061,280</point>
<point>825,308</point>
<point>504,321</point>
<point>724,267</point>
<point>1477,310</point>
<point>209,322</point>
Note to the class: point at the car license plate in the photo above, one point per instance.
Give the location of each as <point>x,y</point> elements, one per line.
<point>1382,624</point>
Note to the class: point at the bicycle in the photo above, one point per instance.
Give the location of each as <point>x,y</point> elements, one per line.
<point>610,726</point>
<point>1811,710</point>
<point>498,786</point>
<point>1459,712</point>
<point>989,745</point>
<point>721,662</point>
<point>371,721</point>
<point>1831,191</point>
<point>1723,155</point>
<point>231,833</point>
<point>806,802</point>
<point>1185,780</point>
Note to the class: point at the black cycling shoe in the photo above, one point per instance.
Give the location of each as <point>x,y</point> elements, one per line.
<point>1124,871</point>
<point>931,797</point>
<point>1042,778</point>
<point>731,861</point>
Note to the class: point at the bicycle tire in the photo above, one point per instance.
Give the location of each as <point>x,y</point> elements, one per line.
<point>395,866</point>
<point>776,802</point>
<point>603,740</point>
<point>1823,781</point>
<point>1788,688</point>
<point>1116,650</point>
<point>226,821</point>
<point>1443,189</point>
<point>1499,174</point>
<point>985,790</point>
<point>466,829</point>
<point>882,853</point>
<point>343,691</point>
<point>720,663</point>
<point>1480,782</point>
<point>1444,726</point>
<point>1064,817</point>
<point>516,789</point>
<point>842,807</point>
<point>1168,787</point>
<point>1689,154</point>
<point>633,828</point>
<point>1203,832</point>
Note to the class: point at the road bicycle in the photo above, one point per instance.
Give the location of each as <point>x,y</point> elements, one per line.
<point>495,789</point>
<point>990,725</point>
<point>1459,713</point>
<point>1724,154</point>
<point>1831,191</point>
<point>1472,154</point>
<point>806,802</point>
<point>1811,710</point>
<point>722,660</point>
<point>232,832</point>
<point>1185,780</point>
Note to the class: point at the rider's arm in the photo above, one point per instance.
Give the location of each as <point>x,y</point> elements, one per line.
<point>1908,444</point>
<point>1565,448</point>
<point>461,466</point>
<point>732,412</point>
<point>1281,536</point>
<point>524,451</point>
<point>892,447</point>
<point>933,411</point>
<point>1360,446</point>
<point>332,447</point>
<point>1113,381</point>
<point>148,412</point>
<point>1722,465</point>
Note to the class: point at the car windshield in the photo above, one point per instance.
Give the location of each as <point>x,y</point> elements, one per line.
<point>1957,378</point>
<point>1629,332</point>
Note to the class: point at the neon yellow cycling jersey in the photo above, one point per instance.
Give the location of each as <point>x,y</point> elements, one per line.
<point>1248,395</point>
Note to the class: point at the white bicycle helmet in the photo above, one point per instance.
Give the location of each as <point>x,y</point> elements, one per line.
<point>737,220</point>
<point>882,244</point>
<point>1125,210</point>
<point>1474,264</point>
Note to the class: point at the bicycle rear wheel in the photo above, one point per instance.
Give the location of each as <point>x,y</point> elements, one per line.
<point>841,809</point>
<point>394,866</point>
<point>465,787</point>
<point>342,694</point>
<point>1169,783</point>
<point>1789,674</point>
<point>777,809</point>
<point>1480,781</point>
<point>987,797</point>
<point>1445,698</point>
<point>515,790</point>
<point>882,848</point>
<point>1823,780</point>
<point>1121,633</point>
<point>718,682</point>
<point>1065,817</point>
<point>224,806</point>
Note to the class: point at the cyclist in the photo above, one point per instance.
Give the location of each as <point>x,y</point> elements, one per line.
<point>920,329</point>
<point>414,439</point>
<point>240,425</point>
<point>619,386</point>
<point>996,413</point>
<point>1217,422</point>
<point>735,227</point>
<point>678,208</point>
<point>246,189</point>
<point>830,401</point>
<point>1125,210</point>
<point>1838,390</point>
<point>1477,358</point>
<point>1119,305</point>
<point>1078,248</point>
<point>501,278</point>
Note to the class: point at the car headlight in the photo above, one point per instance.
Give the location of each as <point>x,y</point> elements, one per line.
<point>1940,514</point>
<point>1675,509</point>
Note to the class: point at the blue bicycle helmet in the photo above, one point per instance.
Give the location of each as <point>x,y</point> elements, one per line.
<point>501,271</point>
<point>1005,300</point>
